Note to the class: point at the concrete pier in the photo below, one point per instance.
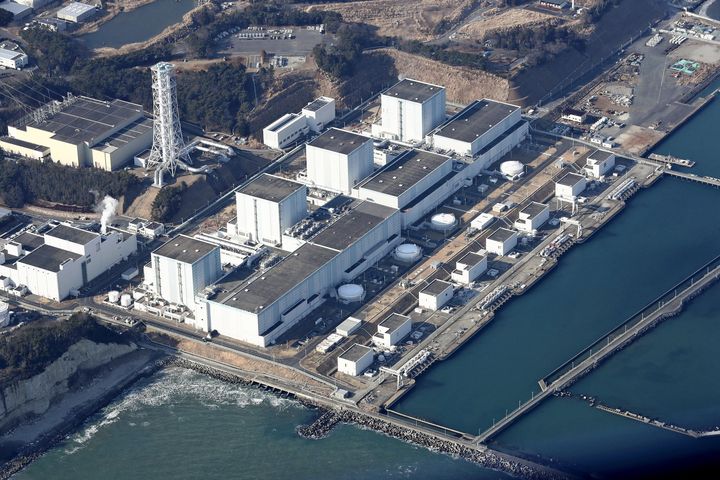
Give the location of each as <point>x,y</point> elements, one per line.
<point>564,376</point>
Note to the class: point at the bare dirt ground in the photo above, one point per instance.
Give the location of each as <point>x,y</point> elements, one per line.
<point>506,19</point>
<point>636,139</point>
<point>462,84</point>
<point>416,19</point>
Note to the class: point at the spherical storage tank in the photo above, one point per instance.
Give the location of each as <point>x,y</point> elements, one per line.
<point>512,169</point>
<point>351,293</point>
<point>443,222</point>
<point>126,300</point>
<point>113,296</point>
<point>408,252</point>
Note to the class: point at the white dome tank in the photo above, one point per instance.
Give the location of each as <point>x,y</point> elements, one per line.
<point>125,300</point>
<point>351,292</point>
<point>113,296</point>
<point>443,222</point>
<point>512,169</point>
<point>408,252</point>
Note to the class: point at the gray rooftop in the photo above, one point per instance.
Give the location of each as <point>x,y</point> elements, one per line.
<point>353,225</point>
<point>75,8</point>
<point>471,259</point>
<point>394,321</point>
<point>266,289</point>
<point>404,172</point>
<point>315,105</point>
<point>185,249</point>
<point>86,119</point>
<point>29,241</point>
<point>475,120</point>
<point>24,144</point>
<point>355,353</point>
<point>600,155</point>
<point>534,209</point>
<point>339,141</point>
<point>436,287</point>
<point>141,126</point>
<point>413,90</point>
<point>48,258</point>
<point>570,179</point>
<point>72,234</point>
<point>270,187</point>
<point>281,122</point>
<point>501,234</point>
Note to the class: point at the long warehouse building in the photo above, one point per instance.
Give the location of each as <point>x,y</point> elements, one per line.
<point>84,132</point>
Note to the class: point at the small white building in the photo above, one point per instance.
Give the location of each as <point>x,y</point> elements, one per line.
<point>469,268</point>
<point>410,109</point>
<point>355,360</point>
<point>338,160</point>
<point>570,186</point>
<point>501,241</point>
<point>573,115</point>
<point>269,205</point>
<point>15,59</point>
<point>348,326</point>
<point>532,217</point>
<point>482,221</point>
<point>436,295</point>
<point>285,131</point>
<point>77,12</point>
<point>599,163</point>
<point>392,330</point>
<point>319,113</point>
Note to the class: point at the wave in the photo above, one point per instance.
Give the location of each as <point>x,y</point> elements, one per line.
<point>168,388</point>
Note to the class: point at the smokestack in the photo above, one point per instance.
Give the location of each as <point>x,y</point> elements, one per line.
<point>109,206</point>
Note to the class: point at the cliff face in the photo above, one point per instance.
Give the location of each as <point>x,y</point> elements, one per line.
<point>33,396</point>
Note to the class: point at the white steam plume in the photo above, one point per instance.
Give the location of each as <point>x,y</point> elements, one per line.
<point>108,206</point>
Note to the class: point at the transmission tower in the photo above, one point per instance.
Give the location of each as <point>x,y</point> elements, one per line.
<point>168,148</point>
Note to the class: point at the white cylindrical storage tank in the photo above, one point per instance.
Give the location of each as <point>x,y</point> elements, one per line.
<point>512,169</point>
<point>126,300</point>
<point>408,252</point>
<point>4,314</point>
<point>443,222</point>
<point>113,296</point>
<point>351,292</point>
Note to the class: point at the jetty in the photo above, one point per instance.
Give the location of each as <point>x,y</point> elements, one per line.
<point>668,304</point>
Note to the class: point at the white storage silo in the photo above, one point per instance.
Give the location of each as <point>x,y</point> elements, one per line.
<point>351,292</point>
<point>113,296</point>
<point>443,222</point>
<point>126,300</point>
<point>407,252</point>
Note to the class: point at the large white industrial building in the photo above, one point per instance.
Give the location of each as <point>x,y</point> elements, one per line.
<point>292,127</point>
<point>392,330</point>
<point>182,267</point>
<point>304,258</point>
<point>82,131</point>
<point>269,205</point>
<point>532,217</point>
<point>479,127</point>
<point>599,163</point>
<point>410,110</point>
<point>338,160</point>
<point>63,260</point>
<point>570,186</point>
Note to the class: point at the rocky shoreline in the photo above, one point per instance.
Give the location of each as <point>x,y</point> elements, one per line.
<point>31,452</point>
<point>329,418</point>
